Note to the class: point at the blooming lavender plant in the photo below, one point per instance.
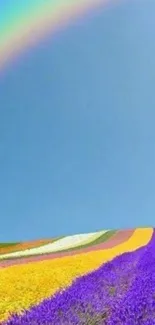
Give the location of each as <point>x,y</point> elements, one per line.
<point>138,305</point>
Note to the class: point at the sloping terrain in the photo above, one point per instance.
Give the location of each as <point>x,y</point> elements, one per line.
<point>81,279</point>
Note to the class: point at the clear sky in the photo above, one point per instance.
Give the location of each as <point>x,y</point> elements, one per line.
<point>77,128</point>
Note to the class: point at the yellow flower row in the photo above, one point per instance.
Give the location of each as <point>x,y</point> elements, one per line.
<point>22,286</point>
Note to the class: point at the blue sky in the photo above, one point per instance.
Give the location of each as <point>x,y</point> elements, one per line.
<point>77,128</point>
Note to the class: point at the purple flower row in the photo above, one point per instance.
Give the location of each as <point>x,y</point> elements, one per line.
<point>138,305</point>
<point>119,292</point>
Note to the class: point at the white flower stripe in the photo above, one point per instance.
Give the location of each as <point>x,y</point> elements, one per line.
<point>59,245</point>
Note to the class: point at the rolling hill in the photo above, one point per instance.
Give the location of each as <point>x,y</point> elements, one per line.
<point>91,278</point>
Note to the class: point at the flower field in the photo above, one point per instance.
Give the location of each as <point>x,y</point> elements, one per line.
<point>105,277</point>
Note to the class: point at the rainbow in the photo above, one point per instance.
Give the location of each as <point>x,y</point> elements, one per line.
<point>24,23</point>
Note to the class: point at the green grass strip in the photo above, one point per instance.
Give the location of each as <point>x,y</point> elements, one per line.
<point>3,245</point>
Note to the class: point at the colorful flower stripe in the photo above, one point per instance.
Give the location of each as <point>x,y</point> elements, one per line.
<point>25,245</point>
<point>82,248</point>
<point>113,239</point>
<point>29,284</point>
<point>104,236</point>
<point>61,244</point>
<point>91,299</point>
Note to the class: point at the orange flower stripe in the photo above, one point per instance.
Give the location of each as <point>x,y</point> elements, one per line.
<point>25,245</point>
